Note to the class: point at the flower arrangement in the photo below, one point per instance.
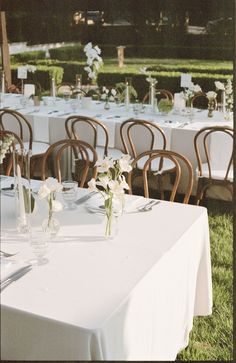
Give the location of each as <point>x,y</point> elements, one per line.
<point>211,95</point>
<point>228,89</point>
<point>94,61</point>
<point>149,79</point>
<point>190,92</point>
<point>165,105</point>
<point>5,143</point>
<point>108,94</point>
<point>48,191</point>
<point>111,184</point>
<point>121,92</point>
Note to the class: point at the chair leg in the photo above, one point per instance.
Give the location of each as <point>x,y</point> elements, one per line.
<point>200,191</point>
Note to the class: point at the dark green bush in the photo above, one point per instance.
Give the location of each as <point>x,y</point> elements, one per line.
<point>42,75</point>
<point>27,56</point>
<point>72,52</point>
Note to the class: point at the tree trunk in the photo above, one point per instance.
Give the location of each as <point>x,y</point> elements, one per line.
<point>5,48</point>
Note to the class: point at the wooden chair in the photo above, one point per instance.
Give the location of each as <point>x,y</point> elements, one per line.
<point>160,93</point>
<point>83,150</point>
<point>200,100</point>
<point>154,161</point>
<point>16,122</point>
<point>87,129</point>
<point>7,165</point>
<point>214,171</point>
<point>65,87</point>
<point>139,136</point>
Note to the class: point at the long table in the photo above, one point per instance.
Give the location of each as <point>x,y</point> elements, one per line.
<point>49,126</point>
<point>130,298</point>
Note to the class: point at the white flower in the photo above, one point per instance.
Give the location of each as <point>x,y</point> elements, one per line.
<point>113,92</point>
<point>92,185</point>
<point>103,181</point>
<point>123,182</point>
<point>116,188</point>
<point>98,50</point>
<point>124,163</point>
<point>53,184</point>
<point>211,95</point>
<point>94,61</point>
<point>56,206</point>
<point>105,164</point>
<point>219,86</point>
<point>197,88</point>
<point>31,68</point>
<point>44,191</point>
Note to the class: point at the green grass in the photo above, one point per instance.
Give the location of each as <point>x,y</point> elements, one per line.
<point>212,337</point>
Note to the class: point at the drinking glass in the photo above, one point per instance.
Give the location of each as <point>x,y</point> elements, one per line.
<point>39,242</point>
<point>69,193</point>
<point>66,96</point>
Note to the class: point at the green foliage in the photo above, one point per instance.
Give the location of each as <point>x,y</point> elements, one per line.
<point>121,88</point>
<point>212,337</point>
<point>26,56</point>
<point>165,105</point>
<point>75,52</point>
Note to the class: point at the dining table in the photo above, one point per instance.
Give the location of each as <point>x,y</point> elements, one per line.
<point>130,297</point>
<point>48,124</point>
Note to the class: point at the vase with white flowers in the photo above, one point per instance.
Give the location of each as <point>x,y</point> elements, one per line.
<point>5,144</point>
<point>108,95</point>
<point>152,86</point>
<point>94,61</point>
<point>188,94</point>
<point>111,184</point>
<point>211,96</point>
<point>48,190</point>
<point>227,98</point>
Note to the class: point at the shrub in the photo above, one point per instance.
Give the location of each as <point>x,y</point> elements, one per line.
<point>26,56</point>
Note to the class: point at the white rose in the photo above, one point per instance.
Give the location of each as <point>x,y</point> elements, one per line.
<point>219,85</point>
<point>56,206</point>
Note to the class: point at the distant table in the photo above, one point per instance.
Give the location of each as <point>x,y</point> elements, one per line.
<point>49,126</point>
<point>130,298</point>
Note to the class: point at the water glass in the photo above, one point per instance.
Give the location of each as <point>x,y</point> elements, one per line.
<point>69,193</point>
<point>39,242</point>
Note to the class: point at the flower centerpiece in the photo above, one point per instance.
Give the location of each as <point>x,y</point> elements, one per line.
<point>152,83</point>
<point>121,92</point>
<point>211,96</point>
<point>5,144</point>
<point>111,184</point>
<point>190,92</point>
<point>227,96</point>
<point>48,191</point>
<point>108,95</point>
<point>94,61</point>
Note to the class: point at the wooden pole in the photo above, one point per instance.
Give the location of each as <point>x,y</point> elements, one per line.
<point>5,48</point>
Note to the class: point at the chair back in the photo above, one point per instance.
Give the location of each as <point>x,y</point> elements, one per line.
<point>7,163</point>
<point>14,121</point>
<point>200,100</point>
<point>138,136</point>
<point>56,151</point>
<point>87,129</point>
<point>160,93</point>
<point>216,143</point>
<point>153,158</point>
<point>65,87</point>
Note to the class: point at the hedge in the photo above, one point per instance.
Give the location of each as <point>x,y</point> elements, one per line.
<point>27,56</point>
<point>42,75</point>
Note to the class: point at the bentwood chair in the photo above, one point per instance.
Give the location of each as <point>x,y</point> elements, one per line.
<point>154,161</point>
<point>7,164</point>
<point>160,93</point>
<point>65,87</point>
<point>14,121</point>
<point>139,136</point>
<point>200,100</point>
<point>217,145</point>
<point>83,150</point>
<point>93,132</point>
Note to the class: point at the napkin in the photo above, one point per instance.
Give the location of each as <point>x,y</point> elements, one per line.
<point>9,268</point>
<point>95,204</point>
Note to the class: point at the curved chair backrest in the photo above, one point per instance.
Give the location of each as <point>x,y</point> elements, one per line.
<point>207,139</point>
<point>150,132</point>
<point>8,160</point>
<point>201,100</point>
<point>162,93</point>
<point>57,149</point>
<point>154,156</point>
<point>86,129</point>
<point>65,87</point>
<point>14,121</point>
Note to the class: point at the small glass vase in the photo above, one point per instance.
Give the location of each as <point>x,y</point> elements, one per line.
<point>113,211</point>
<point>51,225</point>
<point>107,105</point>
<point>210,109</point>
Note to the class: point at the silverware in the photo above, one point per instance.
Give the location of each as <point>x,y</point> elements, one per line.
<point>15,276</point>
<point>184,124</point>
<point>84,198</point>
<point>6,254</point>
<point>148,206</point>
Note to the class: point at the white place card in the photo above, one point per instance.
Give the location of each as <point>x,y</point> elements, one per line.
<point>22,72</point>
<point>186,80</point>
<point>29,90</point>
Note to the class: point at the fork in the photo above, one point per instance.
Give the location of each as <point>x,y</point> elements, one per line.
<point>148,206</point>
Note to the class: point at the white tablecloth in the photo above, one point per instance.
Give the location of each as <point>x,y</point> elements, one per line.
<point>178,139</point>
<point>130,298</point>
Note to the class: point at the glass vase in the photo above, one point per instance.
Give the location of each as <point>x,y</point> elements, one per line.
<point>113,211</point>
<point>107,105</point>
<point>210,109</point>
<point>51,225</point>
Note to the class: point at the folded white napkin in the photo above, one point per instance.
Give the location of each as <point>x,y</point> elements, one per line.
<point>9,268</point>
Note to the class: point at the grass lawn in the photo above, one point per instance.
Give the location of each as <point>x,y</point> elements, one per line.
<point>212,337</point>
